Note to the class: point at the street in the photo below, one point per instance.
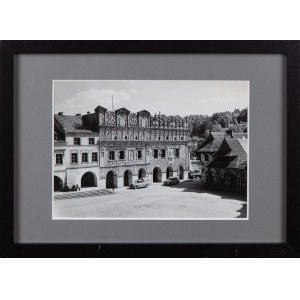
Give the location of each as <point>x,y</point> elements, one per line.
<point>186,200</point>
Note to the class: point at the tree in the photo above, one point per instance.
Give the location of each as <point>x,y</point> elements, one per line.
<point>216,117</point>
<point>223,123</point>
<point>216,128</point>
<point>243,116</point>
<point>234,120</point>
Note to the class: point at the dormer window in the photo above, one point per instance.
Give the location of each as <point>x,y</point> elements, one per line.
<point>91,141</point>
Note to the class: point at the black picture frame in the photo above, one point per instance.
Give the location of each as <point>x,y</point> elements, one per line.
<point>8,248</point>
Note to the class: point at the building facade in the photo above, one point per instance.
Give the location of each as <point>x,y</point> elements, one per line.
<point>111,149</point>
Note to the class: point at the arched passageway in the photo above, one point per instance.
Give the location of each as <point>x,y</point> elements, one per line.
<point>169,172</point>
<point>142,173</point>
<point>88,179</point>
<point>157,174</point>
<point>127,177</point>
<point>111,180</point>
<point>58,184</point>
<point>181,172</point>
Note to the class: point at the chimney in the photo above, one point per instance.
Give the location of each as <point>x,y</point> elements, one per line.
<point>79,115</point>
<point>61,113</point>
<point>88,112</point>
<point>229,133</point>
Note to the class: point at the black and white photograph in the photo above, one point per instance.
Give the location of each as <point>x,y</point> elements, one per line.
<point>150,149</point>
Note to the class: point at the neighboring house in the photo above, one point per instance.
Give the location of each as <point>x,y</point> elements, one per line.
<point>224,160</point>
<point>113,148</point>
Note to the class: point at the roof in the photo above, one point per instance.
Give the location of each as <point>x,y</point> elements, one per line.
<point>144,112</point>
<point>212,142</point>
<point>235,148</point>
<point>100,109</point>
<point>72,124</point>
<point>218,134</point>
<point>240,135</point>
<point>212,146</point>
<point>122,110</point>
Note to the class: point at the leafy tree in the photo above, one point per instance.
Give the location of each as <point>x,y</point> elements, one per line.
<point>234,120</point>
<point>216,128</point>
<point>223,123</point>
<point>216,117</point>
<point>243,116</point>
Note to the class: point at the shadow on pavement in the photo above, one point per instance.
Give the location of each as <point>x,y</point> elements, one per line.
<point>197,187</point>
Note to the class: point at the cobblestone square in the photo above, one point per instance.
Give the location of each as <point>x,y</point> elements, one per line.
<point>187,200</point>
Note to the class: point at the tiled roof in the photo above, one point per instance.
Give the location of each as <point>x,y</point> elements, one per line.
<point>218,134</point>
<point>212,142</point>
<point>236,148</point>
<point>59,143</point>
<point>212,146</point>
<point>240,135</point>
<point>72,124</point>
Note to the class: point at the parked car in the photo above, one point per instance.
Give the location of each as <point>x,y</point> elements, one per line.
<point>194,174</point>
<point>171,181</point>
<point>140,183</point>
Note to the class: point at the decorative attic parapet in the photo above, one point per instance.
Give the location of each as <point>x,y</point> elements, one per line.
<point>143,118</point>
<point>110,118</point>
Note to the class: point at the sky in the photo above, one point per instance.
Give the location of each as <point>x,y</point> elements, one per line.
<point>169,97</point>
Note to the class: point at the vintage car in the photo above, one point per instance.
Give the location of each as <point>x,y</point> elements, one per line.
<point>140,183</point>
<point>171,181</point>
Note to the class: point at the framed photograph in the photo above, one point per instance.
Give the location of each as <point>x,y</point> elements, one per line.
<point>133,161</point>
<point>149,148</point>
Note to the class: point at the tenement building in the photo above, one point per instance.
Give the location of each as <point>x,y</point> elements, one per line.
<point>224,158</point>
<point>111,149</point>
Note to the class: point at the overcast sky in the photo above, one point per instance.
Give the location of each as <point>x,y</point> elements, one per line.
<point>170,97</point>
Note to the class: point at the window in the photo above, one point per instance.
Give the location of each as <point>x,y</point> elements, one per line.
<point>76,141</point>
<point>115,137</point>
<point>91,141</point>
<point>94,156</point>
<point>139,153</point>
<point>167,138</point>
<point>155,153</point>
<point>163,153</point>
<point>59,159</point>
<point>112,155</point>
<point>159,138</point>
<point>136,137</point>
<point>74,158</point>
<point>177,152</point>
<point>126,137</point>
<point>181,138</point>
<point>122,154</point>
<point>84,157</point>
<point>175,138</point>
<point>206,158</point>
